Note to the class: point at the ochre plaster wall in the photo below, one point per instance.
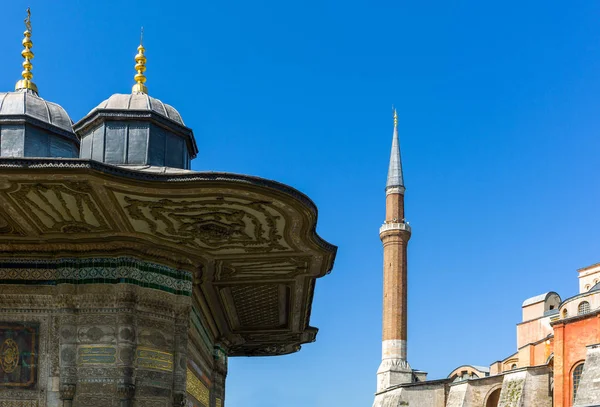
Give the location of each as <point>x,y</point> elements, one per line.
<point>533,331</point>
<point>533,311</point>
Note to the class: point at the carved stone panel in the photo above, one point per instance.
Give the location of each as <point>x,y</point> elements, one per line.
<point>68,207</point>
<point>214,223</point>
<point>265,268</point>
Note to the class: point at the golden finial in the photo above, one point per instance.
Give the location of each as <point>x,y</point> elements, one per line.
<point>140,67</point>
<point>27,75</point>
<point>395,117</point>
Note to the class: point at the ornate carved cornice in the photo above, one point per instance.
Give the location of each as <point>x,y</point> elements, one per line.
<point>249,244</point>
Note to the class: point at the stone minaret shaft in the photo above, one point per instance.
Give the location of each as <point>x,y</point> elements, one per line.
<point>394,234</point>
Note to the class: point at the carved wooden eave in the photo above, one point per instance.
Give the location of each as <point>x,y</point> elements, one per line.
<point>250,243</point>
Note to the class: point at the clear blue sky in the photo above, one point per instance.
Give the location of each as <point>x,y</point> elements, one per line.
<point>500,134</point>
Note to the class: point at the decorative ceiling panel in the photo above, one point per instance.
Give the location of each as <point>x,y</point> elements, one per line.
<point>262,268</point>
<point>67,207</point>
<point>216,224</point>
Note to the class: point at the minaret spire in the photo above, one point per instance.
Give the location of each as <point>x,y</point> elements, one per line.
<point>140,67</point>
<point>395,179</point>
<point>26,83</point>
<point>394,234</point>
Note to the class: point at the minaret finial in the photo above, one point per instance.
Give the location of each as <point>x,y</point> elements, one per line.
<point>26,83</point>
<point>395,117</point>
<point>140,67</point>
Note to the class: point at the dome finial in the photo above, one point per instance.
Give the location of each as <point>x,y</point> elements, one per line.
<point>26,83</point>
<point>140,67</point>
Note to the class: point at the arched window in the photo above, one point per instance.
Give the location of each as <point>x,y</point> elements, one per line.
<point>514,366</point>
<point>583,308</point>
<point>576,378</point>
<point>587,287</point>
<point>565,313</point>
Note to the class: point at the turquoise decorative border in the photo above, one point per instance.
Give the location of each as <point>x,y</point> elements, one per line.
<point>117,270</point>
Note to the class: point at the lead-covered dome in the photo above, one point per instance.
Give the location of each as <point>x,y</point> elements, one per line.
<point>136,129</point>
<point>33,127</point>
<point>29,104</point>
<point>29,125</point>
<point>141,101</point>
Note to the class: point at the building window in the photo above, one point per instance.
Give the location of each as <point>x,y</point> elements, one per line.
<point>565,313</point>
<point>576,378</point>
<point>583,308</point>
<point>513,367</point>
<point>587,287</point>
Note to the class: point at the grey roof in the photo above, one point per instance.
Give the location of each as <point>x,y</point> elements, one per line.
<point>537,298</point>
<point>395,178</point>
<point>141,101</point>
<point>30,104</point>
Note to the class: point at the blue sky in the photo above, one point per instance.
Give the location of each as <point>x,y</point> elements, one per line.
<point>498,109</point>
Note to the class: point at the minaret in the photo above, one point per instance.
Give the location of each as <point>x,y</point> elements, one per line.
<point>394,234</point>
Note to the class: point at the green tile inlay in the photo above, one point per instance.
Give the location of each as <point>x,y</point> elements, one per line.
<point>96,271</point>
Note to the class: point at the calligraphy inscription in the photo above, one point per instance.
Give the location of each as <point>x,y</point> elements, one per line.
<point>154,359</point>
<point>196,388</point>
<point>96,355</point>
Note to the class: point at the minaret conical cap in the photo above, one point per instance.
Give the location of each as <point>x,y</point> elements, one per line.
<point>26,83</point>
<point>395,178</point>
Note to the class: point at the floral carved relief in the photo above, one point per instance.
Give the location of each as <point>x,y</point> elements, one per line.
<point>213,223</point>
<point>60,208</point>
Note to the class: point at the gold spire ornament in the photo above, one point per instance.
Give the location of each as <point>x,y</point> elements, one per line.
<point>140,67</point>
<point>26,82</point>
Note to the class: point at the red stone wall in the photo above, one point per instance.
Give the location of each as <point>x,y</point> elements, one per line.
<point>570,340</point>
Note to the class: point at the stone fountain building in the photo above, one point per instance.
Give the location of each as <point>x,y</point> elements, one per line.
<point>126,279</point>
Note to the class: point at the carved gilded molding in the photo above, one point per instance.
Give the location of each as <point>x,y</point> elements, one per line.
<point>67,207</point>
<point>233,233</point>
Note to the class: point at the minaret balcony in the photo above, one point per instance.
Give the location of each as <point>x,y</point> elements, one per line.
<point>394,226</point>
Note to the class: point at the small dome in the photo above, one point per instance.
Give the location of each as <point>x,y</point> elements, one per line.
<point>29,104</point>
<point>136,129</point>
<point>140,101</point>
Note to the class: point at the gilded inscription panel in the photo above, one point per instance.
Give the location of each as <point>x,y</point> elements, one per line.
<point>197,389</point>
<point>149,358</point>
<point>19,343</point>
<point>88,355</point>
